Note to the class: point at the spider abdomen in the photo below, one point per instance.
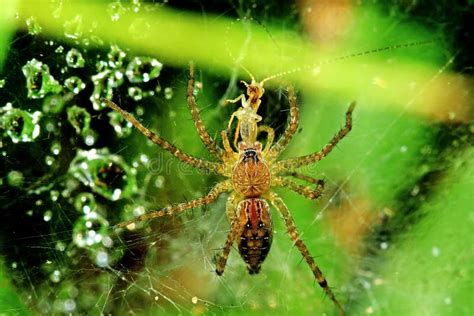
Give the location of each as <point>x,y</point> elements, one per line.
<point>256,238</point>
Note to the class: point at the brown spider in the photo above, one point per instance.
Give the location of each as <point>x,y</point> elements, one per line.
<point>250,174</point>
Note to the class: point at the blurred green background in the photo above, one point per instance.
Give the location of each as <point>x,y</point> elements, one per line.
<point>392,233</point>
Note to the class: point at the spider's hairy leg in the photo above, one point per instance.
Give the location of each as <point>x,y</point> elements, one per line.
<point>304,177</point>
<point>292,127</point>
<point>294,163</point>
<point>278,203</point>
<point>235,231</point>
<point>213,194</point>
<point>203,134</point>
<point>305,191</point>
<point>270,136</point>
<point>190,160</point>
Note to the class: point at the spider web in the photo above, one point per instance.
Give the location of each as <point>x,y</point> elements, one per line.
<point>372,233</point>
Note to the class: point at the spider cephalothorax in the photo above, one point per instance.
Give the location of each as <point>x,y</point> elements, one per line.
<point>249,175</point>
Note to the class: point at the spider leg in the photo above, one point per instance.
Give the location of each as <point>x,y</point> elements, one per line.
<point>292,127</point>
<point>188,159</point>
<point>278,203</point>
<point>235,231</point>
<point>270,136</point>
<point>294,163</point>
<point>305,191</point>
<point>219,188</point>
<point>304,177</point>
<point>203,134</point>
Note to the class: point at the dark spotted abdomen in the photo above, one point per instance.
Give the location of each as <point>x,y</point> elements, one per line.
<point>256,238</point>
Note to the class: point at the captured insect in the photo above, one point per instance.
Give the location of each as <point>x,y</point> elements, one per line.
<point>250,174</point>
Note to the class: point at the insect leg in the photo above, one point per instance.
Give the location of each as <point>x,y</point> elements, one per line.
<point>270,136</point>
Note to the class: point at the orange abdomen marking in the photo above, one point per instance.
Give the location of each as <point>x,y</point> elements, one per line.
<point>256,237</point>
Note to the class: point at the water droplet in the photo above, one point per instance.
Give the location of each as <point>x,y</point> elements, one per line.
<point>135,93</point>
<point>107,242</point>
<point>160,182</point>
<point>59,49</point>
<point>49,160</point>
<point>144,159</point>
<point>74,84</point>
<point>73,28</point>
<point>54,195</point>
<point>121,126</point>
<point>47,215</point>
<point>139,110</point>
<point>90,138</point>
<point>56,148</point>
<point>115,57</point>
<point>143,69</point>
<point>115,10</point>
<point>55,277</point>
<point>74,59</point>
<point>168,93</point>
<point>130,211</point>
<point>2,83</point>
<point>89,230</point>
<point>384,245</point>
<point>435,251</point>
<point>85,203</point>
<point>116,79</point>
<point>102,259</point>
<point>136,6</point>
<point>102,89</point>
<point>60,246</point>
<point>79,118</point>
<point>15,178</point>
<point>106,174</point>
<point>33,27</point>
<point>19,125</point>
<point>39,81</point>
<point>53,103</point>
<point>69,305</point>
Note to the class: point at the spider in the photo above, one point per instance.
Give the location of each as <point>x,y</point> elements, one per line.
<point>250,174</point>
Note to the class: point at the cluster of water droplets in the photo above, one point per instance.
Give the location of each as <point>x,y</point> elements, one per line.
<point>104,173</point>
<point>111,76</point>
<point>61,105</point>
